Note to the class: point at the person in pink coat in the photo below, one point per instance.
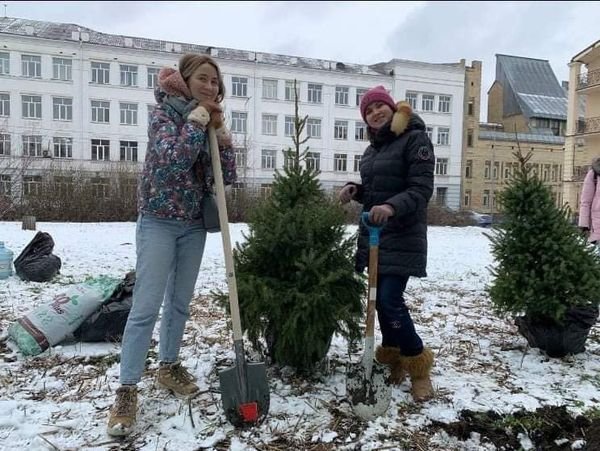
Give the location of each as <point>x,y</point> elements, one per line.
<point>589,206</point>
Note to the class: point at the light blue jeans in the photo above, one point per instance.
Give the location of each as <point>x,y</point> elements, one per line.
<point>169,253</point>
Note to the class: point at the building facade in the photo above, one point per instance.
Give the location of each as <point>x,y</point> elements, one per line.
<point>488,154</point>
<point>78,98</point>
<point>583,130</point>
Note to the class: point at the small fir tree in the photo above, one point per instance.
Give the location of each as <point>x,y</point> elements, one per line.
<point>544,265</point>
<point>295,271</point>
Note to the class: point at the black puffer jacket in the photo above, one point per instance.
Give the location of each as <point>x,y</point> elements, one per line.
<point>398,170</point>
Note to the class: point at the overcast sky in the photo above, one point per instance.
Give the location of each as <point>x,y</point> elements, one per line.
<point>354,32</point>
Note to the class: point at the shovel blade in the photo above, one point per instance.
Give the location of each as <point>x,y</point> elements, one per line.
<point>370,396</point>
<point>251,408</point>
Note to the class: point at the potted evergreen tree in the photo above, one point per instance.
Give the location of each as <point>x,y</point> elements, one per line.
<point>295,271</point>
<point>546,275</point>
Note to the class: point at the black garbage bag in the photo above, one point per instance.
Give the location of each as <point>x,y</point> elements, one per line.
<point>558,340</point>
<point>37,262</point>
<point>108,322</point>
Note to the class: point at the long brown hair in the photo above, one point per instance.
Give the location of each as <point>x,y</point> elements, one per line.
<point>188,64</point>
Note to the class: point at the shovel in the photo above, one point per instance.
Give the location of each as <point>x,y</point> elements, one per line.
<point>244,387</point>
<point>368,382</point>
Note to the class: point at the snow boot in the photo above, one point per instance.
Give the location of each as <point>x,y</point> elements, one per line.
<point>390,356</point>
<point>122,413</point>
<point>419,367</point>
<point>177,379</point>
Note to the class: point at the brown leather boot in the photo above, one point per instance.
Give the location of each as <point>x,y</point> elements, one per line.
<point>391,356</point>
<point>418,367</point>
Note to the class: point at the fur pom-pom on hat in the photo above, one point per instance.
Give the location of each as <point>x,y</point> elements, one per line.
<point>376,94</point>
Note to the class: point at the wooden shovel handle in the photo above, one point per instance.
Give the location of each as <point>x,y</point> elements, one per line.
<point>224,223</point>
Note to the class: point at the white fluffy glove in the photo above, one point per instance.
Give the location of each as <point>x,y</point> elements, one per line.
<point>199,115</point>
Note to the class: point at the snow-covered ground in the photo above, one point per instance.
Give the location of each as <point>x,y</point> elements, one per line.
<point>60,399</point>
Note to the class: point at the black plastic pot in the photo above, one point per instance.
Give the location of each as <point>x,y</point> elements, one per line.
<point>559,339</point>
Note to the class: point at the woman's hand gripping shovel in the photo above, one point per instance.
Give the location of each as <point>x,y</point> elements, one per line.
<point>244,387</point>
<point>368,383</point>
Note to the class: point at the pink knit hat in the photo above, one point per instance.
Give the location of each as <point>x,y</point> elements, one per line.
<point>376,94</point>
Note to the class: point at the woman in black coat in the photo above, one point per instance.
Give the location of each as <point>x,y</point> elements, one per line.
<point>397,183</point>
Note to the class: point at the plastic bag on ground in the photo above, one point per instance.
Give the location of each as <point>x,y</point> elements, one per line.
<point>37,262</point>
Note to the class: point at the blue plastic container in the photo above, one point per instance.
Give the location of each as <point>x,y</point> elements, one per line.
<point>6,261</point>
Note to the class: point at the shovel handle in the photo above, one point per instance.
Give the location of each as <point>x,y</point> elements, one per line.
<point>374,232</point>
<point>224,223</point>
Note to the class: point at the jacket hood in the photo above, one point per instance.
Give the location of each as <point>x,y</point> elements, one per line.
<point>170,82</point>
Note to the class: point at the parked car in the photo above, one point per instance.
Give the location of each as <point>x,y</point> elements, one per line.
<point>482,220</point>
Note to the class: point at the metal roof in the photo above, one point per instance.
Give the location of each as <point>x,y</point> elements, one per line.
<point>64,32</point>
<point>530,87</point>
<point>543,138</point>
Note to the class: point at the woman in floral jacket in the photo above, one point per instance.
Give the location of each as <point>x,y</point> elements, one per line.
<point>171,233</point>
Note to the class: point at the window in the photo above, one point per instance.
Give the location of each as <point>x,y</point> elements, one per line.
<point>340,162</point>
<point>4,63</point>
<point>62,69</point>
<point>32,107</point>
<point>441,193</point>
<point>100,187</point>
<point>289,90</point>
<point>238,122</point>
<point>129,75</point>
<point>360,131</point>
<point>100,73</point>
<point>4,144</point>
<point>313,128</point>
<point>241,156</point>
<point>290,126</point>
<point>469,138</point>
<point>269,124</point>
<point>239,86</point>
<point>341,95</point>
<point>441,166</point>
<point>101,149</point>
<point>315,93</point>
<point>129,113</point>
<point>469,169</point>
<point>265,189</point>
<point>313,161</point>
<point>444,104</point>
<point>443,136</point>
<point>100,111</point>
<point>411,98</point>
<point>340,130</point>
<point>289,159</point>
<point>32,145</point>
<point>150,109</point>
<point>62,109</point>
<point>485,200</point>
<point>268,159</point>
<point>429,131</point>
<point>128,187</point>
<point>4,104</point>
<point>496,170</point>
<point>152,77</point>
<point>5,185</point>
<point>31,66</point>
<point>357,160</point>
<point>32,185</point>
<point>269,89</point>
<point>360,92</point>
<point>128,151</point>
<point>467,199</point>
<point>487,169</point>
<point>63,147</point>
<point>427,102</point>
<point>63,185</point>
<point>471,107</point>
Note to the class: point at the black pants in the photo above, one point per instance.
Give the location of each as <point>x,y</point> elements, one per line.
<point>396,325</point>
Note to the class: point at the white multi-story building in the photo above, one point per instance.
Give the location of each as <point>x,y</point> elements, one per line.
<point>82,97</point>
